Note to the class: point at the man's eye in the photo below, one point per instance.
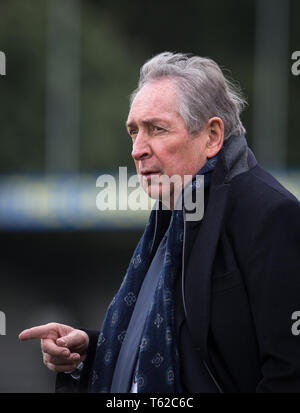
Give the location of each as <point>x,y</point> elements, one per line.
<point>132,132</point>
<point>158,129</point>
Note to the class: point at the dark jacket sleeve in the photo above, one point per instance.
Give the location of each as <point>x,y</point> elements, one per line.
<point>65,383</point>
<point>273,278</point>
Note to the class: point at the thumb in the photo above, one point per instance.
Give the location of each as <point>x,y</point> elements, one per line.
<point>75,339</point>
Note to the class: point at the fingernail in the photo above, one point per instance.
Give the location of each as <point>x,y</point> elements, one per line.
<point>62,342</point>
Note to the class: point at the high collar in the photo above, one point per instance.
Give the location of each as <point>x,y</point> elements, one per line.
<point>234,158</point>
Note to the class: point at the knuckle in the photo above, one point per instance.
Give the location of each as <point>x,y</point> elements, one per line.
<point>52,360</point>
<point>43,347</point>
<point>52,325</point>
<point>82,334</point>
<point>51,367</point>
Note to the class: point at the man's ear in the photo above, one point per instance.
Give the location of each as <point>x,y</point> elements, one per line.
<point>215,134</point>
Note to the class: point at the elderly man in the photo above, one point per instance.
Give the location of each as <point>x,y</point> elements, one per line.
<point>207,304</point>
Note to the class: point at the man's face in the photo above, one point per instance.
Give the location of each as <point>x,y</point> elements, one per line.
<point>161,142</point>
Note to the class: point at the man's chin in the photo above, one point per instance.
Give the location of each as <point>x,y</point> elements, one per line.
<point>159,194</point>
<point>153,192</point>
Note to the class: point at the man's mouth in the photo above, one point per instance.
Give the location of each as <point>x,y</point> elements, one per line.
<point>149,173</point>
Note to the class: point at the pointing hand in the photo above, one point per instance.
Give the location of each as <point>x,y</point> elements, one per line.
<point>63,347</point>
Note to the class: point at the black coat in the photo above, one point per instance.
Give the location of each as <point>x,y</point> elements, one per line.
<point>239,288</point>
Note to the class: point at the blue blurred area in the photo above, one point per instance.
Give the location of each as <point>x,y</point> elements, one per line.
<point>67,202</point>
<point>61,202</point>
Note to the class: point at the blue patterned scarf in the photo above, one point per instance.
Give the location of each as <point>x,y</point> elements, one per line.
<point>158,357</point>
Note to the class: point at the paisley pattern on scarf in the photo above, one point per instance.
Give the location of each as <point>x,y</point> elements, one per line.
<point>158,358</point>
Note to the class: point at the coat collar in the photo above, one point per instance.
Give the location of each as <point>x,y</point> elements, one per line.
<point>234,158</point>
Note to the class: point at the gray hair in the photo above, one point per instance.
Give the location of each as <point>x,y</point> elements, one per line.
<point>204,92</point>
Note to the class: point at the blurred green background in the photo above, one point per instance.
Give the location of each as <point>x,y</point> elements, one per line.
<point>70,68</point>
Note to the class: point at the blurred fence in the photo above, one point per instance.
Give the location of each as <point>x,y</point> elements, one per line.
<point>67,202</point>
<point>63,202</point>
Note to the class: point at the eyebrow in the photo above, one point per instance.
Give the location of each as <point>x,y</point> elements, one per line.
<point>146,122</point>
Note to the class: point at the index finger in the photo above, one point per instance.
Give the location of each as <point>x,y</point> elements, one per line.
<point>44,331</point>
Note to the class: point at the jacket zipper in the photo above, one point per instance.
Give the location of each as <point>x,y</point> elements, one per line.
<point>183,301</point>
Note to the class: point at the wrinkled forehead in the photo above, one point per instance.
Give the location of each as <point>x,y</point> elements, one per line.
<point>155,98</point>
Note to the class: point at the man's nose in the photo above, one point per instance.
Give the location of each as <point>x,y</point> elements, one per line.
<point>141,148</point>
